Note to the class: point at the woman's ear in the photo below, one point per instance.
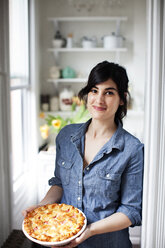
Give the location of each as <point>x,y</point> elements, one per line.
<point>121,101</point>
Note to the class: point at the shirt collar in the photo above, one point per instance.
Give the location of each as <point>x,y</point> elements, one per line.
<point>115,142</point>
<point>81,131</point>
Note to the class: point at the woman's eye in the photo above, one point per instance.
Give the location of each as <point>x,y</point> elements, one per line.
<point>109,93</point>
<point>94,91</point>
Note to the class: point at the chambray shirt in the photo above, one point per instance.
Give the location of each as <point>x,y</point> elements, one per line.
<point>111,183</point>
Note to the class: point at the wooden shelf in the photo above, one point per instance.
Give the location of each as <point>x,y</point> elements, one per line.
<point>88,18</point>
<point>77,49</point>
<point>80,20</point>
<point>67,80</point>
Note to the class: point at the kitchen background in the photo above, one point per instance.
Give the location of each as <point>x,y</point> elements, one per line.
<point>39,72</point>
<point>26,57</point>
<point>90,29</point>
<point>128,24</point>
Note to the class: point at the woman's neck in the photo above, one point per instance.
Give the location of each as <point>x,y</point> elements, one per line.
<point>102,129</point>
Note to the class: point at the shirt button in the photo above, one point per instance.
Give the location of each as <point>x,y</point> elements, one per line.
<point>63,162</point>
<point>79,182</point>
<point>78,198</point>
<point>87,168</point>
<point>108,175</point>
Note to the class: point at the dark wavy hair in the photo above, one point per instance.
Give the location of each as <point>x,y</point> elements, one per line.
<point>103,72</point>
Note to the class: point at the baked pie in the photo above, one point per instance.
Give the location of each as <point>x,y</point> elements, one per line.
<point>54,222</point>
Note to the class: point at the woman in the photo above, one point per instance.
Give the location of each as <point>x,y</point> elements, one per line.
<point>99,165</point>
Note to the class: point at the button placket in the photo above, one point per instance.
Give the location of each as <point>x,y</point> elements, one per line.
<point>79,183</point>
<point>79,198</point>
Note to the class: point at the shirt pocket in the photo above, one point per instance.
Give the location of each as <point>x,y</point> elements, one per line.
<point>109,181</point>
<point>65,170</point>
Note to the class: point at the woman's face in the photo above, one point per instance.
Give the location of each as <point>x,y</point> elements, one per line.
<point>103,101</point>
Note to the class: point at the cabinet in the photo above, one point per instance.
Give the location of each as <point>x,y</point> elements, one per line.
<point>81,26</point>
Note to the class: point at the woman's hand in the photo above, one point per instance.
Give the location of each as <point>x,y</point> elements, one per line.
<point>53,195</point>
<point>27,210</point>
<point>85,235</point>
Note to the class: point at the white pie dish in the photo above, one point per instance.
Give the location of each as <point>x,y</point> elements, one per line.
<point>58,243</point>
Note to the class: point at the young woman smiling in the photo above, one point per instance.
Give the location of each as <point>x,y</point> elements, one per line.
<point>99,165</point>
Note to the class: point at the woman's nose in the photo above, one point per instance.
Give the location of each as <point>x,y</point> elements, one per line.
<point>100,98</point>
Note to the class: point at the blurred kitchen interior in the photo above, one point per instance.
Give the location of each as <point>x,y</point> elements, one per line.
<point>52,46</point>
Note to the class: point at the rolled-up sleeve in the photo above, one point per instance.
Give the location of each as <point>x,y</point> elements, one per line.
<point>56,179</point>
<point>132,186</point>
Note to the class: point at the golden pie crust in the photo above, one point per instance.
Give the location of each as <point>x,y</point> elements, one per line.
<point>54,222</point>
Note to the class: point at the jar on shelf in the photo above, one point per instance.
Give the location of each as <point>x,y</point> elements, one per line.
<point>110,41</point>
<point>69,41</point>
<point>68,72</point>
<point>65,99</point>
<point>54,103</point>
<point>58,40</point>
<point>54,72</point>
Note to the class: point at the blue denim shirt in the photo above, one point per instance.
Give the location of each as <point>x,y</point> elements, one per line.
<point>111,183</point>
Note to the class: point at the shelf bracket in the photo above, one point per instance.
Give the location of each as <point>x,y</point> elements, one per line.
<point>118,27</point>
<point>56,58</point>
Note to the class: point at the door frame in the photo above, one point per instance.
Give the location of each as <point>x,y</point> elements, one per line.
<point>153,229</point>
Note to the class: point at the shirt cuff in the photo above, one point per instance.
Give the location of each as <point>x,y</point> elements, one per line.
<point>134,217</point>
<point>54,181</point>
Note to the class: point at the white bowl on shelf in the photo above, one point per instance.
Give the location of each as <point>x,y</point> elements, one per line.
<point>57,43</point>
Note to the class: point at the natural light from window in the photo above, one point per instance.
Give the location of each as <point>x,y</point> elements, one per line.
<point>19,82</point>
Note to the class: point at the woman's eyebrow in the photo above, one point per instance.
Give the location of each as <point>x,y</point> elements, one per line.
<point>109,88</point>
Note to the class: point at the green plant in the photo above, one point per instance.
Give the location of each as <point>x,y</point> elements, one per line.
<point>55,123</point>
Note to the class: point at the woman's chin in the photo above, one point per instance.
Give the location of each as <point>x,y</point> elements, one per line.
<point>100,117</point>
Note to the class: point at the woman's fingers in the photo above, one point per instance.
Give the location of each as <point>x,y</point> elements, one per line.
<point>27,210</point>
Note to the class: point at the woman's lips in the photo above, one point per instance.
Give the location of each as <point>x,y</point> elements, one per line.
<point>98,108</point>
